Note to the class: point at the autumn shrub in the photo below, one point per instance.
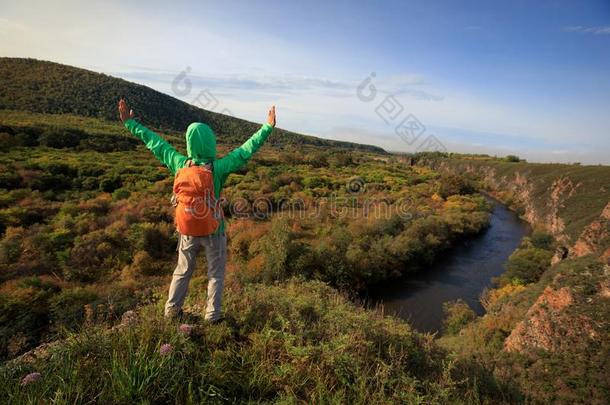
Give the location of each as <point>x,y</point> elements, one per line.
<point>266,255</point>
<point>391,226</point>
<point>98,206</point>
<point>94,256</point>
<point>493,299</point>
<point>157,239</point>
<point>353,253</point>
<point>316,159</point>
<point>341,159</point>
<point>24,314</point>
<point>285,179</point>
<point>59,168</point>
<point>451,184</point>
<point>31,251</point>
<point>243,235</point>
<point>142,265</point>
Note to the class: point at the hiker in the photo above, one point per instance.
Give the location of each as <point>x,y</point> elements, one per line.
<point>199,178</point>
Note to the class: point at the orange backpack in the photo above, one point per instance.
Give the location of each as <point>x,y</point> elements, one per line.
<point>197,211</point>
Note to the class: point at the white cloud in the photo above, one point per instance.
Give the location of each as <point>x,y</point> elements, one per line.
<point>588,30</point>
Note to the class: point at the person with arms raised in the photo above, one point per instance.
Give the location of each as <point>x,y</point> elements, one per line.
<point>199,179</point>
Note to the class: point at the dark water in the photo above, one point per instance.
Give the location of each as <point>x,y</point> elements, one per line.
<point>463,272</point>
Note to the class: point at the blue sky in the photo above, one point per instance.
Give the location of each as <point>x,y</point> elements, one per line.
<point>499,77</point>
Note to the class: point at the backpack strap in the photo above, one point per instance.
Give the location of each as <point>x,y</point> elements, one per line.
<point>209,165</point>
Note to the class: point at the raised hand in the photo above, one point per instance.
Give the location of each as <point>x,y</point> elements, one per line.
<point>124,112</point>
<point>271,116</point>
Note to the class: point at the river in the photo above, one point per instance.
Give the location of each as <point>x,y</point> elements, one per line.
<point>464,272</point>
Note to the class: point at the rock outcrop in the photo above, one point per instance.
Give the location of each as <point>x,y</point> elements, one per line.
<point>595,237</point>
<point>549,326</point>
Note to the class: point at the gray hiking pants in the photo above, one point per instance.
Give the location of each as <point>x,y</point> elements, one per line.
<point>216,255</point>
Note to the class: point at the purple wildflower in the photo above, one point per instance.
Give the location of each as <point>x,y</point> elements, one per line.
<point>166,349</point>
<point>185,329</point>
<point>31,378</point>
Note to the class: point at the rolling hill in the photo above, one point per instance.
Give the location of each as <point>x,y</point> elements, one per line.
<point>52,88</point>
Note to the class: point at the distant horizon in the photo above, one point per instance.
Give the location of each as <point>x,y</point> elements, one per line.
<point>498,79</point>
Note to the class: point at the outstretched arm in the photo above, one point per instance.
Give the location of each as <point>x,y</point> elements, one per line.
<point>162,150</point>
<point>237,158</point>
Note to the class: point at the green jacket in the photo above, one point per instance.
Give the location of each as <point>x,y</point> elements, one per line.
<point>201,148</point>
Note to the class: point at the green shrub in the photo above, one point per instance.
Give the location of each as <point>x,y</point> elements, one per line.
<point>542,240</point>
<point>67,309</point>
<point>527,264</point>
<point>9,180</point>
<point>120,194</point>
<point>457,315</point>
<point>27,138</point>
<point>315,182</point>
<point>110,182</point>
<point>7,142</point>
<point>276,248</point>
<point>61,138</point>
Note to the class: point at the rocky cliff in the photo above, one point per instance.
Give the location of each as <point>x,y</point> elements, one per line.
<point>551,336</point>
<point>570,202</point>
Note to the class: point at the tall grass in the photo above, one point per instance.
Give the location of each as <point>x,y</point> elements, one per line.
<point>300,342</point>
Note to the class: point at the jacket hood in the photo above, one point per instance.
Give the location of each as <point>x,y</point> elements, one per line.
<point>200,142</point>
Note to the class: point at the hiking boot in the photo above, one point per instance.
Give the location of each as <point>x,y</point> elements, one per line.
<point>173,314</point>
<point>215,321</point>
<point>226,320</point>
<point>190,317</point>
